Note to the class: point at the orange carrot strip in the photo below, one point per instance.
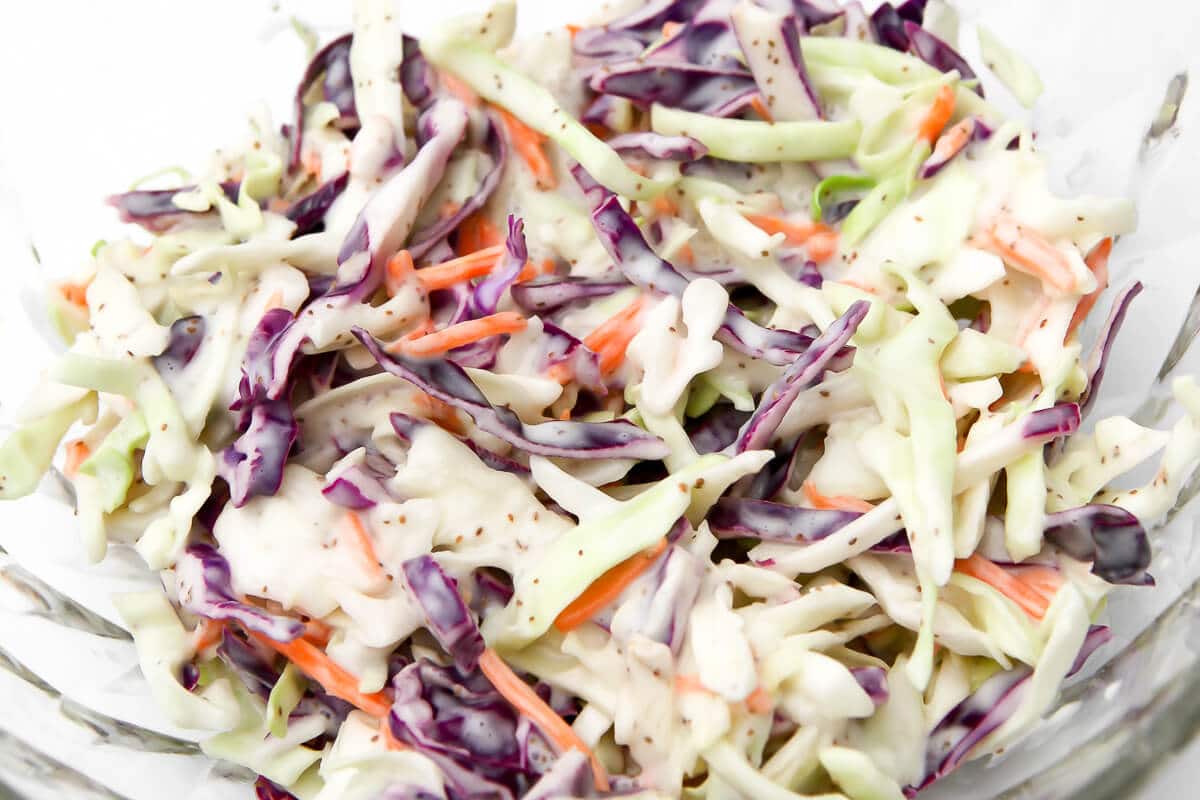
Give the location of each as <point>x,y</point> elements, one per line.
<point>573,30</point>
<point>606,588</point>
<point>399,269</point>
<point>690,683</point>
<point>311,161</point>
<point>449,209</point>
<point>953,140</point>
<point>75,293</point>
<point>364,546</point>
<point>1028,251</point>
<point>207,633</point>
<point>664,206</point>
<point>459,89</point>
<point>463,333</point>
<point>476,233</point>
<point>761,109</point>
<point>759,701</point>
<point>669,29</point>
<point>837,502</point>
<point>77,453</point>
<point>1030,600</point>
<point>528,144</point>
<point>457,270</point>
<point>822,246</point>
<point>1043,580</point>
<point>686,254</point>
<point>441,414</point>
<point>335,679</point>
<point>522,697</point>
<point>796,232</point>
<point>317,632</point>
<point>938,115</point>
<point>1097,261</point>
<point>613,335</point>
<point>389,739</point>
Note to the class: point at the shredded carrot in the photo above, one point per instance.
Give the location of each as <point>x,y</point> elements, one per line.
<point>565,414</point>
<point>335,679</point>
<point>1028,251</point>
<point>449,209</point>
<point>613,335</point>
<point>1097,262</point>
<point>598,130</point>
<point>441,414</point>
<point>389,739</point>
<point>531,270</point>
<point>274,301</point>
<point>460,335</point>
<point>796,232</point>
<point>363,545</point>
<point>278,205</point>
<point>606,588</point>
<point>822,246</point>
<point>459,89</point>
<point>77,453</point>
<point>525,700</point>
<point>573,30</point>
<point>664,206</point>
<point>476,233</point>
<point>206,634</point>
<point>1031,601</point>
<point>1043,580</point>
<point>690,683</point>
<point>528,144</point>
<point>457,270</point>
<point>669,28</point>
<point>75,293</point>
<point>317,632</point>
<point>939,114</point>
<point>686,254</point>
<point>399,269</point>
<point>836,502</point>
<point>859,285</point>
<point>759,702</point>
<point>953,140</point>
<point>760,108</point>
<point>311,161</point>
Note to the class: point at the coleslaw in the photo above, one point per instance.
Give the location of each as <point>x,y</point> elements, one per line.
<point>690,403</point>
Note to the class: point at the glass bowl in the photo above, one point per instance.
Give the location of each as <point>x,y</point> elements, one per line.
<point>101,94</point>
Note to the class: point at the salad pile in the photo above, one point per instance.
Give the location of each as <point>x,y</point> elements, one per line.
<point>684,405</point>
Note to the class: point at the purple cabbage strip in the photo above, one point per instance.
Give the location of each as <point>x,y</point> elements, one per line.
<point>1096,637</point>
<point>933,165</point>
<point>937,54</point>
<point>1050,423</point>
<point>404,425</point>
<point>205,586</point>
<point>257,366</point>
<point>347,493</point>
<point>491,587</point>
<point>628,248</point>
<point>804,373</point>
<point>648,144</point>
<point>969,722</point>
<point>717,429</point>
<point>406,791</point>
<point>550,293</point>
<point>266,790</point>
<point>422,242</point>
<point>743,517</point>
<point>489,290</point>
<point>873,680</point>
<point>797,99</point>
<point>1097,359</point>
<point>559,347</point>
<point>571,776</point>
<point>691,87</point>
<point>459,721</point>
<point>563,439</point>
<point>309,211</point>
<point>256,673</point>
<point>446,615</point>
<point>154,209</point>
<point>888,27</point>
<point>912,11</point>
<point>333,60</point>
<point>253,464</point>
<point>628,36</point>
<point>676,579</point>
<point>1108,536</point>
<point>416,78</point>
<point>187,334</point>
<point>814,14</point>
<point>774,475</point>
<point>706,39</point>
<point>361,486</point>
<point>604,110</point>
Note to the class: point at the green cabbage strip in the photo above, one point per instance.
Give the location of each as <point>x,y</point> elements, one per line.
<point>581,555</point>
<point>857,775</point>
<point>836,184</point>
<point>876,205</point>
<point>889,66</point>
<point>285,696</point>
<point>28,452</point>
<point>112,463</point>
<point>1012,70</point>
<point>974,355</point>
<point>536,107</point>
<point>759,142</point>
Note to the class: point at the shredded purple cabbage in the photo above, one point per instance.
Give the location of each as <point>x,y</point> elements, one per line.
<point>446,615</point>
<point>187,334</point>
<point>691,87</point>
<point>648,144</point>
<point>563,439</point>
<point>1108,536</point>
<point>717,429</point>
<point>873,680</point>
<point>888,27</point>
<point>804,373</point>
<point>937,54</point>
<point>309,211</point>
<point>416,78</point>
<point>266,790</point>
<point>1097,359</point>
<point>155,210</point>
<point>628,36</point>
<point>550,293</point>
<point>404,425</point>
<point>205,587</point>
<point>1096,637</point>
<point>744,517</point>
<point>491,288</point>
<point>332,61</point>
<point>253,464</point>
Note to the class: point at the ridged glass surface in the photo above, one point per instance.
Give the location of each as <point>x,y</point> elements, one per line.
<point>100,94</point>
